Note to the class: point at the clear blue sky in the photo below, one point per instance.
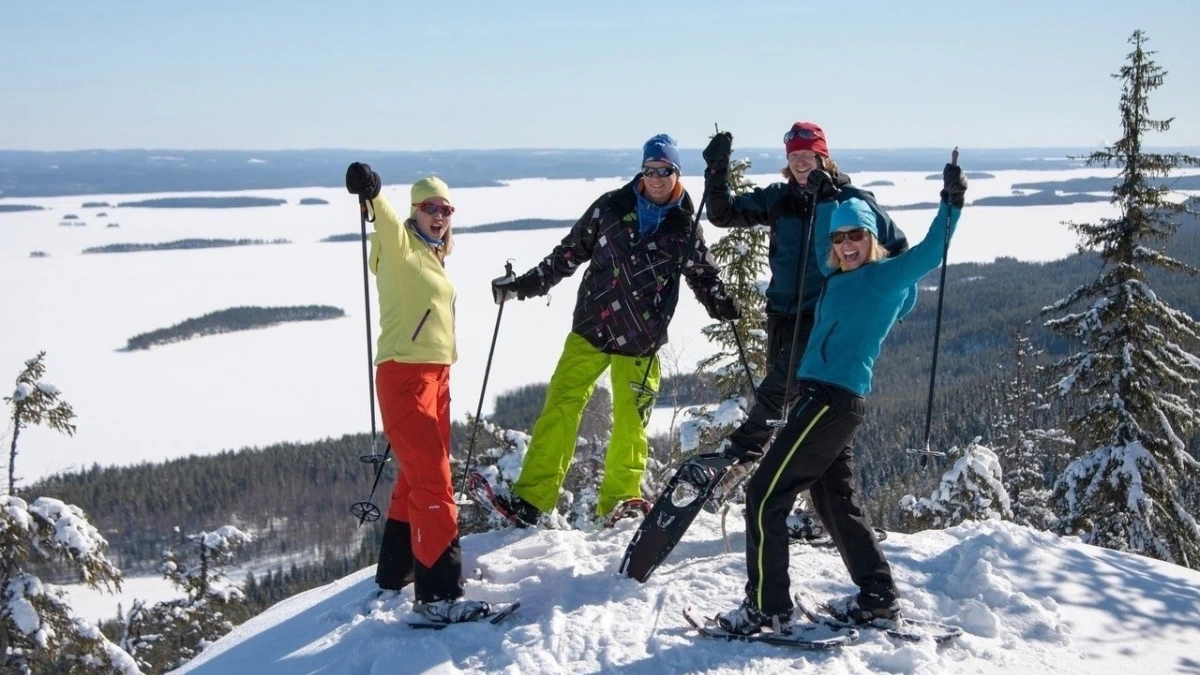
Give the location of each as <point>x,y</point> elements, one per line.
<point>444,74</point>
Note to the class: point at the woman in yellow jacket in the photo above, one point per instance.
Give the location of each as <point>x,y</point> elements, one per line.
<point>412,376</point>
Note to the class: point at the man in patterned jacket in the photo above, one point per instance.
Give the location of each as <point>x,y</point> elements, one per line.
<point>639,240</point>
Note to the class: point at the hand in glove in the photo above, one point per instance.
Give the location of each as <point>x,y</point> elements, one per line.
<point>510,287</point>
<point>716,155</point>
<point>362,181</point>
<point>821,185</point>
<point>724,307</point>
<point>954,186</point>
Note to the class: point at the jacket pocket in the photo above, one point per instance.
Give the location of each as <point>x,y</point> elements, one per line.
<point>421,324</point>
<point>825,342</point>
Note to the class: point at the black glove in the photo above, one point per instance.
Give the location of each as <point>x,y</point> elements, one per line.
<point>954,186</point>
<point>362,181</point>
<point>716,155</point>
<point>821,185</point>
<point>723,307</point>
<point>513,287</point>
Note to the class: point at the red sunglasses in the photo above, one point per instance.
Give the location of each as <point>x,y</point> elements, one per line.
<point>434,209</point>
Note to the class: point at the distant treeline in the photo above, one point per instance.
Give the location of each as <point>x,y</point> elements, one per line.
<point>1099,184</point>
<point>203,203</point>
<point>1032,199</point>
<point>312,201</point>
<point>16,208</point>
<point>1039,199</point>
<point>180,244</point>
<point>972,175</point>
<point>95,205</point>
<point>106,172</point>
<point>230,320</point>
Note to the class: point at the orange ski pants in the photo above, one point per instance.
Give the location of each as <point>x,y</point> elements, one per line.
<point>415,401</point>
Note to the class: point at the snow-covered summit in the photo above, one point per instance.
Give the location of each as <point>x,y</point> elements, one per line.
<point>1029,602</point>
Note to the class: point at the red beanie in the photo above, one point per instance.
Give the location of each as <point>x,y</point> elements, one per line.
<point>806,136</point>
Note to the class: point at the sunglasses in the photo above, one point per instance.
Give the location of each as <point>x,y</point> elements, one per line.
<point>443,210</point>
<point>657,171</point>
<point>799,133</point>
<point>853,235</point>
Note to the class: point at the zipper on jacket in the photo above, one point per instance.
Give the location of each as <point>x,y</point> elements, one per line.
<point>825,342</point>
<point>421,324</point>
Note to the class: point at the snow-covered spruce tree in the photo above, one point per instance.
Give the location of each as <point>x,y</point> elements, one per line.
<point>742,257</point>
<point>972,489</point>
<point>35,403</point>
<point>38,631</point>
<point>1135,488</point>
<point>1026,451</point>
<point>499,454</point>
<point>171,633</point>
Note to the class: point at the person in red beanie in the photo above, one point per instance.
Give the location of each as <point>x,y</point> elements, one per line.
<point>786,208</point>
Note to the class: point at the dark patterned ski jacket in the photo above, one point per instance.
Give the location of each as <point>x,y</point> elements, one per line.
<point>631,286</point>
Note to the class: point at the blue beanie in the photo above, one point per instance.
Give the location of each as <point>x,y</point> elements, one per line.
<point>854,213</point>
<point>661,148</point>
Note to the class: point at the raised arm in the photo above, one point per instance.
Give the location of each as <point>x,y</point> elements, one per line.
<point>725,210</point>
<point>364,182</point>
<point>907,269</point>
<point>388,237</point>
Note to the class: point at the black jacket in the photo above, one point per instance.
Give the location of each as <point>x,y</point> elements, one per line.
<point>630,289</point>
<point>785,208</point>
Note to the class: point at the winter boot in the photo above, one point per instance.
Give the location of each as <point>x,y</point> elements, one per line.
<point>748,620</point>
<point>452,610</point>
<point>521,512</point>
<point>866,607</point>
<point>630,507</point>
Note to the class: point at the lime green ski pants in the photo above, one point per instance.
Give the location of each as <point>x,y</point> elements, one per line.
<point>553,445</point>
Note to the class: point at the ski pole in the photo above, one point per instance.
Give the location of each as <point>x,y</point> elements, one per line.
<point>742,355</point>
<point>937,332</point>
<point>803,267</point>
<point>366,511</point>
<point>462,488</point>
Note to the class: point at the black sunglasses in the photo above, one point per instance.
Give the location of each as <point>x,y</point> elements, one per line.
<point>659,171</point>
<point>853,235</point>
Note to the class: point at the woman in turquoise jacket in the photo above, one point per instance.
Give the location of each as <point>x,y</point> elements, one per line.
<point>863,296</point>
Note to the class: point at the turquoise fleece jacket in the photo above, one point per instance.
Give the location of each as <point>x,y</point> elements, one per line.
<point>857,309</point>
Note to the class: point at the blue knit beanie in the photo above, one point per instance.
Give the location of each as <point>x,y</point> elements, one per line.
<point>854,213</point>
<point>661,148</point>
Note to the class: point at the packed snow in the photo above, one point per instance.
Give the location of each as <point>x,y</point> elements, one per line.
<point>1028,602</point>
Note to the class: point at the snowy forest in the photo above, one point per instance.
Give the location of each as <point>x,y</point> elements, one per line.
<point>1065,400</point>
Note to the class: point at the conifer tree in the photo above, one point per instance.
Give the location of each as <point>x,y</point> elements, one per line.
<point>35,403</point>
<point>39,633</point>
<point>1135,488</point>
<point>171,633</point>
<point>972,489</point>
<point>741,256</point>
<point>1026,450</point>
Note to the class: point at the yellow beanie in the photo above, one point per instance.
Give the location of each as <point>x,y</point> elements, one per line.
<point>427,188</point>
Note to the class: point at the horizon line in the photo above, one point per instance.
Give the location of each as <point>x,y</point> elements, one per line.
<point>562,149</point>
